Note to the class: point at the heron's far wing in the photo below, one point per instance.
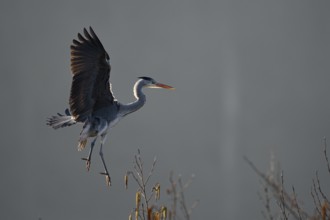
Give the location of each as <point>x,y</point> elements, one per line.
<point>90,67</point>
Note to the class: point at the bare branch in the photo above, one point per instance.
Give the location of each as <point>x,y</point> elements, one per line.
<point>286,201</point>
<point>267,203</point>
<point>173,192</point>
<point>316,194</point>
<point>182,200</point>
<point>142,182</point>
<point>178,197</point>
<point>151,170</point>
<point>146,200</point>
<point>319,188</point>
<point>135,178</point>
<point>282,204</point>
<point>325,154</point>
<point>296,202</point>
<point>315,201</point>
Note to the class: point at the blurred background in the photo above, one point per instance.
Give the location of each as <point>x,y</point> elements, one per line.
<point>251,78</point>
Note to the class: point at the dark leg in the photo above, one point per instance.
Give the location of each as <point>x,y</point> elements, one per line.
<point>106,173</point>
<point>88,159</point>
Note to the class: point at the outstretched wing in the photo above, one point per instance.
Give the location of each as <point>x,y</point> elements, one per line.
<point>90,67</point>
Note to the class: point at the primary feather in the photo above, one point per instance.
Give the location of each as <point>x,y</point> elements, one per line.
<point>90,67</point>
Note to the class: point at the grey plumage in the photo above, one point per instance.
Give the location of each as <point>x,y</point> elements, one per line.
<point>91,100</point>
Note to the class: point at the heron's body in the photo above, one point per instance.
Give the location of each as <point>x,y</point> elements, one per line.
<point>91,100</point>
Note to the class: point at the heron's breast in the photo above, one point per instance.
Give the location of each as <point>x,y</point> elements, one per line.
<point>114,122</point>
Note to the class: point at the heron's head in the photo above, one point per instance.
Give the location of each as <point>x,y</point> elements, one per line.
<point>151,83</point>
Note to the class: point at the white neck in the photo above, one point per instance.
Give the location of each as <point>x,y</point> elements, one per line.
<point>138,103</point>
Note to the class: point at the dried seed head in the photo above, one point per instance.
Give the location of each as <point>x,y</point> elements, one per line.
<point>156,216</point>
<point>149,214</point>
<point>130,217</point>
<point>126,180</point>
<point>136,214</point>
<point>164,212</point>
<point>156,189</point>
<point>137,199</point>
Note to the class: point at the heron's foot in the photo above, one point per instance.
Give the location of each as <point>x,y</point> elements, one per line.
<point>107,178</point>
<point>88,162</point>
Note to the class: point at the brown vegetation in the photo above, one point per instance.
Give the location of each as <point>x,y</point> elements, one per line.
<point>288,205</point>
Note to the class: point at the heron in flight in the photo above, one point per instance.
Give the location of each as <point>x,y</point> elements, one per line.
<point>91,100</point>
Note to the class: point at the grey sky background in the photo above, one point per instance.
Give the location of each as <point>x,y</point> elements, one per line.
<point>251,77</point>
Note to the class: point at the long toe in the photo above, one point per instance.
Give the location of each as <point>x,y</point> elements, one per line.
<point>88,163</point>
<point>107,178</point>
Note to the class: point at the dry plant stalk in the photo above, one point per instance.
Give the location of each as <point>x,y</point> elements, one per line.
<point>146,207</point>
<point>176,192</point>
<point>288,204</point>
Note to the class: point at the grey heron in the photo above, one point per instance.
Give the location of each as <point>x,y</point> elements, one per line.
<point>91,100</point>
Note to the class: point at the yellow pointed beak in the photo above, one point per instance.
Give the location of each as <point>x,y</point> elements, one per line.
<point>160,85</point>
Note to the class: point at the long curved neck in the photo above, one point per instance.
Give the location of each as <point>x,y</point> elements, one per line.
<point>138,103</point>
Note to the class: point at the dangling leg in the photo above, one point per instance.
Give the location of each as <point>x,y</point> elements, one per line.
<point>106,173</point>
<point>88,159</point>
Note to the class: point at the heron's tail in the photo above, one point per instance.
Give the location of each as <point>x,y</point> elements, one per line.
<point>61,121</point>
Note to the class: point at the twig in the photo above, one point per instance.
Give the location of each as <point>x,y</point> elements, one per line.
<point>316,198</point>
<point>144,201</point>
<point>142,181</point>
<point>134,177</point>
<point>296,202</point>
<point>267,203</point>
<point>144,217</point>
<point>319,188</point>
<point>282,206</point>
<point>325,154</point>
<point>315,203</point>
<point>151,170</point>
<point>179,197</point>
<point>182,200</point>
<point>173,192</point>
<point>278,191</point>
<point>326,201</point>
